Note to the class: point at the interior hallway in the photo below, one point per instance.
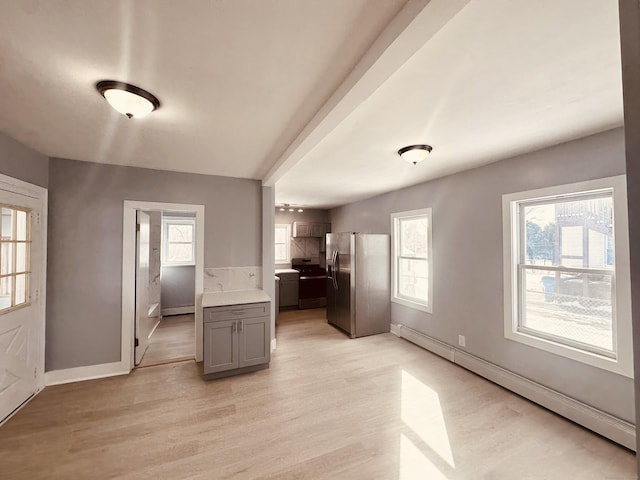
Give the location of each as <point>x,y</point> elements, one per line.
<point>328,408</point>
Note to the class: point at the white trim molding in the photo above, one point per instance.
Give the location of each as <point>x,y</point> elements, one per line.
<point>622,363</point>
<point>79,374</point>
<point>129,272</point>
<point>166,312</point>
<point>613,428</point>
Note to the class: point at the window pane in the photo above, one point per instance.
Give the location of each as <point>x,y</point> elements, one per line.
<point>21,257</point>
<point>21,289</point>
<point>281,235</point>
<point>5,291</point>
<point>413,237</point>
<point>413,278</point>
<point>281,252</point>
<point>177,252</point>
<point>6,258</point>
<point>180,233</point>
<point>576,233</point>
<point>21,225</point>
<point>7,223</point>
<point>571,306</point>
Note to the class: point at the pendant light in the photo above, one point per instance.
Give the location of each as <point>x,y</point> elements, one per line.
<point>415,153</point>
<point>128,99</point>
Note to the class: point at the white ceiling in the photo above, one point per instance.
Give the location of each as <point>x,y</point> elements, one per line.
<point>312,96</point>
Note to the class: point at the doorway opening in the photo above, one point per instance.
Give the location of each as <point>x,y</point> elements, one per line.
<point>147,339</point>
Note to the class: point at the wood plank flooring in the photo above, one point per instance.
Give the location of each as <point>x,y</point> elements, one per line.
<point>328,408</point>
<point>172,341</point>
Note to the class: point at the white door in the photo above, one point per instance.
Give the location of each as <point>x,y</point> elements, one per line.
<point>22,274</point>
<point>143,322</point>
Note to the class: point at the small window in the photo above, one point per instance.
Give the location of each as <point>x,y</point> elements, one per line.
<point>178,241</point>
<point>15,249</point>
<point>564,285</point>
<point>281,242</point>
<point>412,268</point>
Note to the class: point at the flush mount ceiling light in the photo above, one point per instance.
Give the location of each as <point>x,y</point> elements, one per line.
<point>128,99</point>
<point>415,153</point>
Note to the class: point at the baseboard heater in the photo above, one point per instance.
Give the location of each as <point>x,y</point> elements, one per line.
<point>613,428</point>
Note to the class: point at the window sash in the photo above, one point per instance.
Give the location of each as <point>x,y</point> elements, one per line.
<point>285,243</point>
<point>522,266</point>
<point>17,298</point>
<point>167,222</point>
<point>422,302</point>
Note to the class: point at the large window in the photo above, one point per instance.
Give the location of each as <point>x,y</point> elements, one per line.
<point>178,241</point>
<point>281,242</point>
<point>15,246</point>
<point>565,291</point>
<point>411,267</point>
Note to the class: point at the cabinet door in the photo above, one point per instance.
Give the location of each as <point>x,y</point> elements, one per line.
<point>301,229</point>
<point>253,339</point>
<point>220,346</point>
<point>289,292</point>
<point>317,230</point>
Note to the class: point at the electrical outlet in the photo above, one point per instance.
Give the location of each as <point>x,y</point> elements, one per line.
<point>462,341</point>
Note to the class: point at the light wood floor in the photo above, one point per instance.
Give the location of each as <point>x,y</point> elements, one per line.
<point>328,408</point>
<point>173,340</point>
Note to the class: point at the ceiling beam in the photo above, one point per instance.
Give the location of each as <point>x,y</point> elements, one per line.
<point>410,30</point>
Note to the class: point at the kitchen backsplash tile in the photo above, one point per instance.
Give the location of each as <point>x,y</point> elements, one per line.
<point>232,278</point>
<point>305,247</point>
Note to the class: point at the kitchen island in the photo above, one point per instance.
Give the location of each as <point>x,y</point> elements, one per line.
<point>236,332</point>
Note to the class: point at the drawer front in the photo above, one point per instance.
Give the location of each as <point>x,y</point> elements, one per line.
<point>236,312</point>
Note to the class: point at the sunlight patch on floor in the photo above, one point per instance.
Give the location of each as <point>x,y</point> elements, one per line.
<point>422,413</point>
<point>414,465</point>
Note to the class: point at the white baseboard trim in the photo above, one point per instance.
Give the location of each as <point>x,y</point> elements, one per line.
<point>428,343</point>
<point>78,374</point>
<point>178,310</point>
<point>613,428</point>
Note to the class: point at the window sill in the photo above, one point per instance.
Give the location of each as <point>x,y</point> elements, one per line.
<point>415,305</point>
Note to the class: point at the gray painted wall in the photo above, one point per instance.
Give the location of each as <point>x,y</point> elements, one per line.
<point>468,271</point>
<point>85,246</point>
<point>178,286</point>
<point>23,163</point>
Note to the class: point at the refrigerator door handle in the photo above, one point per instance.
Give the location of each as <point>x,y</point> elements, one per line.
<point>336,269</point>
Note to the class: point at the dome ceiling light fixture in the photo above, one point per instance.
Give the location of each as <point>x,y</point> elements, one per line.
<point>128,99</point>
<point>415,153</point>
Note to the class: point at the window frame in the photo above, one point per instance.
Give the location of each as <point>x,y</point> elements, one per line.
<point>287,243</point>
<point>174,220</point>
<point>620,361</point>
<point>14,256</point>
<point>425,305</point>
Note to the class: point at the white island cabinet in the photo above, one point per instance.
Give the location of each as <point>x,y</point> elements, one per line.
<point>235,332</point>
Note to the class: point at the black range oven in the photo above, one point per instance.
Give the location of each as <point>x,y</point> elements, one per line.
<point>312,291</point>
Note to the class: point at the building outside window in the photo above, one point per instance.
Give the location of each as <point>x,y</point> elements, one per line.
<point>565,292</point>
<point>178,241</point>
<point>281,242</point>
<point>412,260</point>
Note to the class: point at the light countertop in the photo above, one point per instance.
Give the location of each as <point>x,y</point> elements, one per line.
<point>286,270</point>
<point>235,297</point>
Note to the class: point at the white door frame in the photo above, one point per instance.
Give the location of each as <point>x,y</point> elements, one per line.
<point>129,272</point>
<point>15,186</point>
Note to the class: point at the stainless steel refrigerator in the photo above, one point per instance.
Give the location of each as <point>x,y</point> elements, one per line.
<point>358,283</point>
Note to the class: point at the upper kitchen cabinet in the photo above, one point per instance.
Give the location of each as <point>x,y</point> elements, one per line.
<point>311,229</point>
